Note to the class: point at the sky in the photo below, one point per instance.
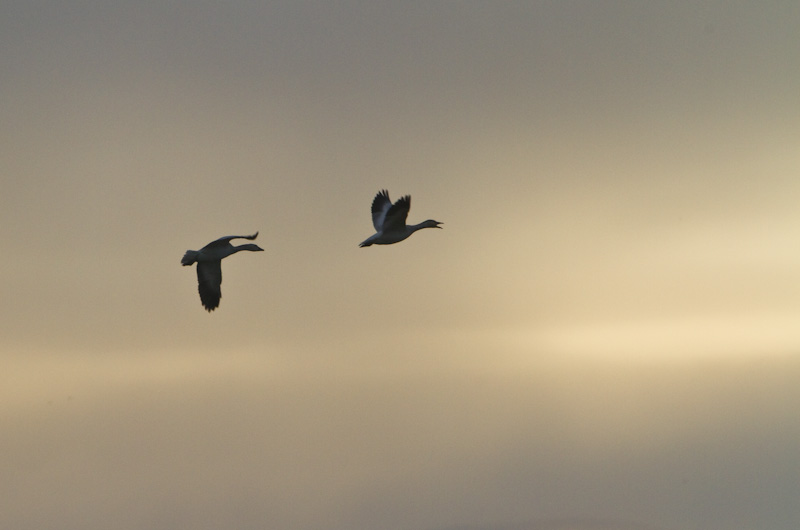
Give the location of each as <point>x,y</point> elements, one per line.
<point>603,336</point>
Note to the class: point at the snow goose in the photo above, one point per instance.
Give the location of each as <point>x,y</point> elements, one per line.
<point>390,220</point>
<point>209,266</point>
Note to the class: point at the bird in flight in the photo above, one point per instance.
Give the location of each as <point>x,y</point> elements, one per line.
<point>209,266</point>
<point>390,220</point>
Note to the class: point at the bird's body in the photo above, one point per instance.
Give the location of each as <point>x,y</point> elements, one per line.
<point>390,220</point>
<point>209,266</point>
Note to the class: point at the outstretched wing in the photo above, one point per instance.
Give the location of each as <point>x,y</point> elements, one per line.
<point>380,205</point>
<point>209,283</point>
<point>395,220</point>
<point>225,240</point>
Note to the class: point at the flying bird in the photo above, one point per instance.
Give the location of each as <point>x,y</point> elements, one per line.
<point>209,266</point>
<point>390,220</point>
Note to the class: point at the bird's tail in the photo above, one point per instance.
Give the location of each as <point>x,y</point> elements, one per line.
<point>189,258</point>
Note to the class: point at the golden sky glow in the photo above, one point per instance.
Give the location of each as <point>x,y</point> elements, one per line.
<point>603,335</point>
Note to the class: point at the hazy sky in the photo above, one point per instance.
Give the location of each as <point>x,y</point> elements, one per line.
<point>605,335</point>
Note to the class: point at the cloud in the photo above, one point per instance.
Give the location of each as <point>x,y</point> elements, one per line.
<point>244,439</point>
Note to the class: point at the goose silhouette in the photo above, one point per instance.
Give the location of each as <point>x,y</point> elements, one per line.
<point>390,220</point>
<point>209,266</point>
